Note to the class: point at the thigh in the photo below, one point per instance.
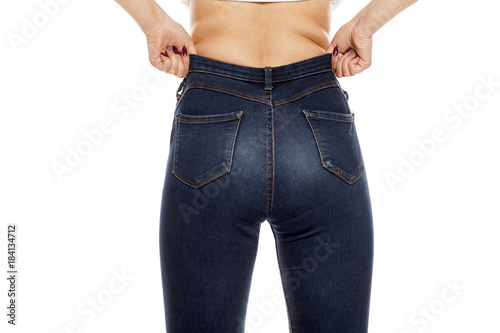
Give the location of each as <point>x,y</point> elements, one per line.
<point>322,217</point>
<point>206,269</point>
<point>325,256</point>
<point>208,236</point>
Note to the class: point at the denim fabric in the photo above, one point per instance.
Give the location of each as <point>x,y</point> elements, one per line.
<point>275,144</point>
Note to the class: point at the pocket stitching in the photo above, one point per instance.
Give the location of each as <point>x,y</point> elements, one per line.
<point>237,115</point>
<point>338,170</point>
<point>326,116</point>
<point>180,118</point>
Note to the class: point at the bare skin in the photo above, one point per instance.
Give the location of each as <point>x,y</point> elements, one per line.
<point>261,34</point>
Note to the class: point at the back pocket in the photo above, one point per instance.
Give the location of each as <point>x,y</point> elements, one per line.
<point>204,145</point>
<point>337,142</point>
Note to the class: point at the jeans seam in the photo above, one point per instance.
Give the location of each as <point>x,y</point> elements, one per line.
<point>267,154</point>
<point>203,182</point>
<point>251,80</point>
<point>212,87</point>
<point>226,75</point>
<point>272,154</point>
<point>257,99</point>
<point>311,90</point>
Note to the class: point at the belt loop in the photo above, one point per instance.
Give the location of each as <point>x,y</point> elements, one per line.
<point>346,94</point>
<point>181,85</point>
<point>269,83</point>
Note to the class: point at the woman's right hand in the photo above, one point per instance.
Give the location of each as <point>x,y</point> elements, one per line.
<point>169,33</point>
<point>352,50</point>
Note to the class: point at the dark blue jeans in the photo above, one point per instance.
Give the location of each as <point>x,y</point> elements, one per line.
<point>254,144</point>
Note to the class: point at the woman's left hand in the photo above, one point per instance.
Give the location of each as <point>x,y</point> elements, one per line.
<point>169,46</point>
<point>352,50</point>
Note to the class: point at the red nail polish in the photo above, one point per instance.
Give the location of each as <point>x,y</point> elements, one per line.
<point>175,50</point>
<point>335,51</point>
<point>164,54</point>
<point>346,52</point>
<point>184,51</point>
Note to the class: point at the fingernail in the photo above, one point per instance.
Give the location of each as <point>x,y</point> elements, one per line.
<point>357,55</point>
<point>175,50</point>
<point>163,53</point>
<point>335,51</point>
<point>347,51</point>
<point>184,51</point>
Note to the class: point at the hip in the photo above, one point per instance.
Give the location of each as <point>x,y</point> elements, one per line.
<point>296,115</point>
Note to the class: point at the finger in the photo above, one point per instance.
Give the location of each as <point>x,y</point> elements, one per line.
<point>346,68</point>
<point>340,68</point>
<point>165,62</point>
<point>354,65</point>
<point>175,66</point>
<point>183,69</point>
<point>164,52</point>
<point>351,66</point>
<point>161,62</point>
<point>336,62</point>
<point>175,59</point>
<point>185,60</point>
<point>184,56</point>
<point>335,58</point>
<point>169,55</point>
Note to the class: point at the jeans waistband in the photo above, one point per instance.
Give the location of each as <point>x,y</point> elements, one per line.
<point>268,74</point>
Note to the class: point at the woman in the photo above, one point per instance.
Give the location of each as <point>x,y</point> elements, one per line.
<point>262,131</point>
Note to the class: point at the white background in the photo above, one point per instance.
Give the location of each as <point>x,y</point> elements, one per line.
<point>436,227</point>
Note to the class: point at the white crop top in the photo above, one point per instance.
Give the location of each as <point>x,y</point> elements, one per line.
<point>334,2</point>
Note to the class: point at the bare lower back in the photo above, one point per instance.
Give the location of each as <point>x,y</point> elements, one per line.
<point>260,34</point>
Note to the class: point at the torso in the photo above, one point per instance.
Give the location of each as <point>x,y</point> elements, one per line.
<point>260,34</point>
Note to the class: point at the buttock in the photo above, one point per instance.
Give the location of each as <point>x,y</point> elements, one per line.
<point>294,139</point>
